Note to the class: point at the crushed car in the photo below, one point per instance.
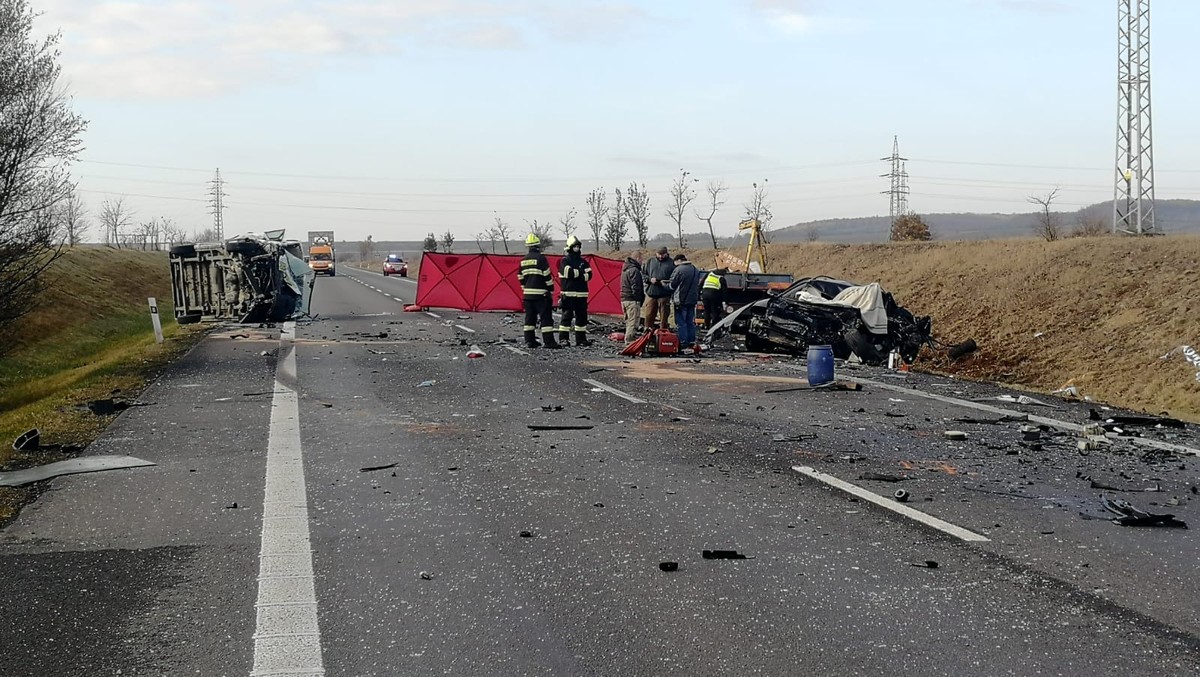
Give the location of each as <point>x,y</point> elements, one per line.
<point>250,279</point>
<point>862,320</point>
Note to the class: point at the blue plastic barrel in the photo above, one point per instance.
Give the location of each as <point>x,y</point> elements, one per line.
<point>820,365</point>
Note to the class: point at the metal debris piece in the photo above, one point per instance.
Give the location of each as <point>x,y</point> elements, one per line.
<point>552,407</point>
<point>373,468</point>
<point>668,566</point>
<point>881,477</point>
<point>426,384</point>
<point>955,435</point>
<point>73,466</point>
<point>1130,516</point>
<point>723,554</point>
<point>526,534</point>
<point>901,496</point>
<point>1105,487</point>
<point>1165,422</point>
<point>559,427</point>
<point>927,564</point>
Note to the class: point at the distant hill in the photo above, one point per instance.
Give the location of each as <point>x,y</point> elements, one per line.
<point>1171,216</point>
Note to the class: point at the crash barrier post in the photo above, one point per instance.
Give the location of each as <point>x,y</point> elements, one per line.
<point>820,365</point>
<point>154,319</point>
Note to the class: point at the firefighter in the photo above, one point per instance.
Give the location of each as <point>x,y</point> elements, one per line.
<point>574,273</point>
<point>713,295</point>
<point>534,275</point>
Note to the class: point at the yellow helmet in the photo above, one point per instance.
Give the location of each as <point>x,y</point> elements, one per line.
<point>573,242</point>
<point>533,240</point>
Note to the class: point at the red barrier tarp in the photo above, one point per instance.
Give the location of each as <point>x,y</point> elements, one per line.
<point>489,282</point>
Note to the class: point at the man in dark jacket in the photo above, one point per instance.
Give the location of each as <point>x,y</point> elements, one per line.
<point>538,286</point>
<point>574,273</point>
<point>658,295</point>
<point>685,287</point>
<point>633,294</point>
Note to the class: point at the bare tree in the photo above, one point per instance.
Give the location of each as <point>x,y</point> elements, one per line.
<point>173,234</point>
<point>208,234</point>
<point>115,218</point>
<point>484,236</point>
<point>447,241</point>
<point>618,219</point>
<point>567,224</point>
<point>39,137</point>
<point>812,234</point>
<point>715,191</point>
<point>366,249</point>
<point>72,217</point>
<point>637,209</point>
<point>1047,224</point>
<point>759,208</point>
<point>681,196</point>
<point>1090,225</point>
<point>597,211</point>
<point>148,233</point>
<point>543,231</point>
<point>502,232</point>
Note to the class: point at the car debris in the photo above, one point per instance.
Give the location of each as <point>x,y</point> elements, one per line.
<point>251,278</point>
<point>532,426</point>
<point>956,435</point>
<point>1108,487</point>
<point>882,477</point>
<point>1153,421</point>
<point>668,566</point>
<point>927,564</point>
<point>1129,516</point>
<point>723,554</point>
<point>853,319</point>
<point>901,495</point>
<point>373,468</point>
<point>72,466</point>
<point>109,406</point>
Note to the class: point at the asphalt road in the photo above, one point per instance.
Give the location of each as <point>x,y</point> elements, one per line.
<point>490,548</point>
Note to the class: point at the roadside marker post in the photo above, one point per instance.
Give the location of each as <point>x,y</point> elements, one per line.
<point>158,336</point>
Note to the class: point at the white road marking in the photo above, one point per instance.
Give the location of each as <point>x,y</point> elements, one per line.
<point>466,329</point>
<point>287,638</point>
<point>433,314</point>
<point>397,299</point>
<point>911,513</point>
<point>516,350</point>
<point>1001,411</point>
<point>619,393</point>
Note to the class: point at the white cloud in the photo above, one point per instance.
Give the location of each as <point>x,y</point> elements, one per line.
<point>791,17</point>
<point>152,49</point>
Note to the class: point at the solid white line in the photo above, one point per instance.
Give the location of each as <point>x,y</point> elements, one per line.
<point>924,518</point>
<point>1052,422</point>
<point>466,329</point>
<point>433,314</point>
<point>287,637</point>
<point>516,350</point>
<point>619,393</point>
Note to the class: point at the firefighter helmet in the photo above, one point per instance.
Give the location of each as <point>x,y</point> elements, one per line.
<point>533,240</point>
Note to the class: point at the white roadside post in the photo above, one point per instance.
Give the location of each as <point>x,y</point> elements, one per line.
<point>158,337</point>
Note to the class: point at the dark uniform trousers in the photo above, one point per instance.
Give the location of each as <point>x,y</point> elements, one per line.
<point>574,312</point>
<point>539,310</point>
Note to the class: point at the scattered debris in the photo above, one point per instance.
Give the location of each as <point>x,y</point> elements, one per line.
<point>1014,399</point>
<point>713,450</point>
<point>552,407</point>
<point>373,468</point>
<point>109,406</point>
<point>1031,433</point>
<point>1106,487</point>
<point>29,440</point>
<point>882,477</point>
<point>927,564</point>
<point>668,566</point>
<point>426,576</point>
<point>426,384</point>
<point>476,352</point>
<point>961,350</point>
<point>233,506</point>
<point>73,466</point>
<point>901,495</point>
<point>1156,421</point>
<point>532,426</point>
<point>380,352</point>
<point>1130,516</point>
<point>957,435</point>
<point>781,437</point>
<point>723,554</point>
<point>1018,418</point>
<point>526,534</point>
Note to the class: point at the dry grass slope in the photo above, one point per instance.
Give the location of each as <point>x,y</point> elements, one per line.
<point>1107,308</point>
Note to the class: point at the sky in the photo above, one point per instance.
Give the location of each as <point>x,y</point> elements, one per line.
<point>395,118</point>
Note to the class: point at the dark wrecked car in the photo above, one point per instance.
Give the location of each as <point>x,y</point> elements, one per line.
<point>249,279</point>
<point>862,320</point>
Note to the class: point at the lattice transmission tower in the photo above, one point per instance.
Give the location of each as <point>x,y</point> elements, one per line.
<point>216,205</point>
<point>899,186</point>
<point>1133,197</point>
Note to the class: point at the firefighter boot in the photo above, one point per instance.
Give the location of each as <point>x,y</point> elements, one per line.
<point>531,340</point>
<point>564,337</point>
<point>548,340</point>
<point>581,339</point>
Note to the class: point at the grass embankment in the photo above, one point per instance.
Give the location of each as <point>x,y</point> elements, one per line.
<point>1097,313</point>
<point>89,337</point>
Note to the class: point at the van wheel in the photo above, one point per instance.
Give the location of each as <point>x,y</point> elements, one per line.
<point>189,318</point>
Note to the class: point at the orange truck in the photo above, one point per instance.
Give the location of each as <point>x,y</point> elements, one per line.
<point>321,257</point>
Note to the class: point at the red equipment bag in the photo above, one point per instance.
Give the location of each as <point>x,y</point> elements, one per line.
<point>666,342</point>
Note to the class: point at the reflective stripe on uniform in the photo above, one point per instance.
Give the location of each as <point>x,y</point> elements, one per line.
<point>529,327</point>
<point>536,292</point>
<point>549,330</point>
<point>574,294</point>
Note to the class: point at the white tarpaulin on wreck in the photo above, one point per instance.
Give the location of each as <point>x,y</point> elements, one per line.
<point>868,298</point>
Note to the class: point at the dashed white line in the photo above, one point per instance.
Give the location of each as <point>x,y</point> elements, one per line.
<point>433,314</point>
<point>466,329</point>
<point>619,393</point>
<point>287,637</point>
<point>911,513</point>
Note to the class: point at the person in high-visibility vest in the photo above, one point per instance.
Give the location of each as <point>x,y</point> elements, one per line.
<point>574,273</point>
<point>538,287</point>
<point>713,296</point>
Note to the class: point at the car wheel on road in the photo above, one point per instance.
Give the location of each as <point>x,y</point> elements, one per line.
<point>189,318</point>
<point>403,274</point>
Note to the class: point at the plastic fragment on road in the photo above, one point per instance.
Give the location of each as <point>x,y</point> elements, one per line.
<point>426,384</point>
<point>1156,421</point>
<point>475,352</point>
<point>668,566</point>
<point>373,468</point>
<point>723,554</point>
<point>29,440</point>
<point>955,435</point>
<point>73,466</point>
<point>532,426</point>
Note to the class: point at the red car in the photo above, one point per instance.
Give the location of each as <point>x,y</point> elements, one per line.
<point>394,265</point>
